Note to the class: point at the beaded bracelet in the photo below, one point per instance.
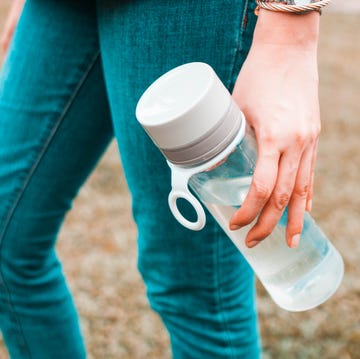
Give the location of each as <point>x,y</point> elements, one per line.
<point>291,6</point>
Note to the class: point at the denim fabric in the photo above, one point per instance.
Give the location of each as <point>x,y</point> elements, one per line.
<point>71,81</point>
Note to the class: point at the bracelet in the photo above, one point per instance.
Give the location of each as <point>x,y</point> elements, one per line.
<point>291,6</point>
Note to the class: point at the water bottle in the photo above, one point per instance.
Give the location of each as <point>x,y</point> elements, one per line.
<point>193,120</point>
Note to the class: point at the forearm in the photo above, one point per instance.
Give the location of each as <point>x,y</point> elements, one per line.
<point>288,29</point>
<point>286,42</point>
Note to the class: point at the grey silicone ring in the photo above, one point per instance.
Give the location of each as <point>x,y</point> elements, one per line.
<point>210,144</point>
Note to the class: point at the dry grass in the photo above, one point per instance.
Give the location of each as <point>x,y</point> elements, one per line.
<point>98,240</point>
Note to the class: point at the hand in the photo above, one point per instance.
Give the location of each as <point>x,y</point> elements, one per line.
<point>10,24</point>
<point>277,89</point>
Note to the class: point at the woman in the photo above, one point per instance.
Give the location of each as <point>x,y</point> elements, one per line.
<point>72,76</point>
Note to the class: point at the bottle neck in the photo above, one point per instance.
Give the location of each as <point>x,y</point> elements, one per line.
<point>181,175</point>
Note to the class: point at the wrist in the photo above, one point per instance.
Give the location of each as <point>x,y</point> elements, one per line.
<point>277,28</point>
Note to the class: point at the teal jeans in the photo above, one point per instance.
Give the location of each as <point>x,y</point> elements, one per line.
<point>70,83</point>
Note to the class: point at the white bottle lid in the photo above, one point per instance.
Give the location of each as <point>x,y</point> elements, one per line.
<point>189,114</point>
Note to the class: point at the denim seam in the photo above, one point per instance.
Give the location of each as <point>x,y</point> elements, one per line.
<point>220,237</point>
<point>238,42</point>
<point>26,181</point>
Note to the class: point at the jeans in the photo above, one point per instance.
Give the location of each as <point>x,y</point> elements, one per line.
<point>70,83</point>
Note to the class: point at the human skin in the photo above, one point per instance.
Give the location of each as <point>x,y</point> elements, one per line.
<point>10,24</point>
<point>277,89</point>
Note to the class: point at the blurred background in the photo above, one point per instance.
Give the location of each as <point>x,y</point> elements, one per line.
<point>98,241</point>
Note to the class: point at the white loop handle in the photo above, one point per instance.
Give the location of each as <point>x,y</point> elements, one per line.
<point>201,218</point>
<point>179,182</point>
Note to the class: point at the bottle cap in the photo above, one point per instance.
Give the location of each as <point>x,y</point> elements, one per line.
<point>189,114</point>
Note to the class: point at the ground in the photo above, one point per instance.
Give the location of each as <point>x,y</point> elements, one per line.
<point>98,241</point>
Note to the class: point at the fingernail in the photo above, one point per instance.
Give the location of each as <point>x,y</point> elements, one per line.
<point>252,243</point>
<point>295,241</point>
<point>234,227</point>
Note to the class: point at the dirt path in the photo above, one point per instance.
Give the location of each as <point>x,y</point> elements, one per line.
<point>98,246</point>
<point>345,6</point>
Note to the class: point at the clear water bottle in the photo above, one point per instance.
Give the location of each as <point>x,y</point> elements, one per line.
<point>193,120</point>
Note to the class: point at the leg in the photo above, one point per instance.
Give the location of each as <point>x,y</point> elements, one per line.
<point>54,125</point>
<point>197,281</point>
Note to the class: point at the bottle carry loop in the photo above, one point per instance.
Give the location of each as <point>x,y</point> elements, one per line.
<point>192,118</point>
<point>180,177</point>
<point>179,183</point>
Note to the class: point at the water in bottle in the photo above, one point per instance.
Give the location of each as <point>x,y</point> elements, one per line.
<point>194,121</point>
<point>296,278</point>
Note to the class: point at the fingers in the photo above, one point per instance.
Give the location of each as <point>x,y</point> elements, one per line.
<point>297,203</point>
<point>278,182</point>
<point>262,185</point>
<point>279,199</point>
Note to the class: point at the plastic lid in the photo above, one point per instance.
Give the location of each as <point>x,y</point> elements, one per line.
<point>189,114</point>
